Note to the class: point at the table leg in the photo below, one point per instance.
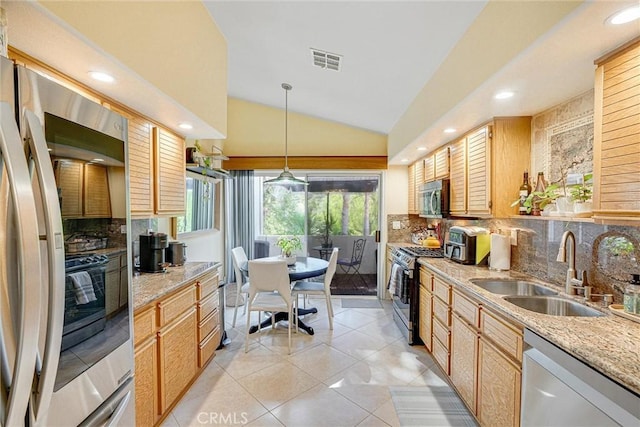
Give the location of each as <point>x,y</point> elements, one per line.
<point>285,316</point>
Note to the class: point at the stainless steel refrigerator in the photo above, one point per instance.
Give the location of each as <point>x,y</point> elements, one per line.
<point>65,360</point>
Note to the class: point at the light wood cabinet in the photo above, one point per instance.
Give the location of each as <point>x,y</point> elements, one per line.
<point>175,337</point>
<point>170,172</point>
<point>616,154</point>
<point>498,152</point>
<point>499,382</point>
<point>429,164</point>
<point>177,345</point>
<point>425,314</point>
<point>458,178</point>
<point>83,189</point>
<point>141,158</point>
<point>480,350</point>
<point>441,163</point>
<point>116,283</point>
<point>416,178</point>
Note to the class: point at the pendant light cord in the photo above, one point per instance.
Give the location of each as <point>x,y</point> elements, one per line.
<point>287,87</point>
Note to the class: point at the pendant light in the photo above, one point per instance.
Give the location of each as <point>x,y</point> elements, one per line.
<point>286,177</point>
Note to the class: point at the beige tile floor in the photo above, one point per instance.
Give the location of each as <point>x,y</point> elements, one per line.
<point>338,377</point>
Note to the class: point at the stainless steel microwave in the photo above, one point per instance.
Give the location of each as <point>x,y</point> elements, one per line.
<point>433,197</point>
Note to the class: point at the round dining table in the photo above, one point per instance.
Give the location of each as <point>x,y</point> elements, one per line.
<point>304,268</point>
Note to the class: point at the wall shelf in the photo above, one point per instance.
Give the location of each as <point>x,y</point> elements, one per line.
<point>554,218</point>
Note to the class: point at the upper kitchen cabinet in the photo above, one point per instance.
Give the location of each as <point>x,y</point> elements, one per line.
<point>83,189</point>
<point>616,153</point>
<point>436,165</point>
<point>416,177</point>
<point>486,167</point>
<point>141,188</point>
<point>170,172</point>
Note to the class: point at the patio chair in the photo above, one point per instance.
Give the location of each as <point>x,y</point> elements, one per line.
<point>352,266</point>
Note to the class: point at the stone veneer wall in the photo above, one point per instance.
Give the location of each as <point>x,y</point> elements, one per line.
<point>609,254</point>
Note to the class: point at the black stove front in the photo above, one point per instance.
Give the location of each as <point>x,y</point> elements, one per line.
<point>404,286</point>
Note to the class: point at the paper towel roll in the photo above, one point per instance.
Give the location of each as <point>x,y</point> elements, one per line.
<point>500,252</point>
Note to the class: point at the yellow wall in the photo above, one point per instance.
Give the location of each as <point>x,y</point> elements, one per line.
<point>175,45</point>
<point>258,130</point>
<point>501,31</point>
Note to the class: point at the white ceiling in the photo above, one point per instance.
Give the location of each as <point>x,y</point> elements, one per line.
<point>390,51</point>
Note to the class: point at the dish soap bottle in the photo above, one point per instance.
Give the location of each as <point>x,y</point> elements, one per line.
<point>632,295</point>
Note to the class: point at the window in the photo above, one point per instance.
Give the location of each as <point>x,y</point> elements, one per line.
<point>282,210</point>
<point>201,196</point>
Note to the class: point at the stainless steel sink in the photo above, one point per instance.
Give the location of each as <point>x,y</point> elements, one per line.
<point>552,305</point>
<point>512,287</point>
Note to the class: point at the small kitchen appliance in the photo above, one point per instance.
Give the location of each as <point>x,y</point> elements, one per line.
<point>468,245</point>
<point>152,256</point>
<point>176,253</point>
<point>434,199</point>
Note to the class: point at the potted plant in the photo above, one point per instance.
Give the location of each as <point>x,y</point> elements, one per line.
<point>287,245</point>
<point>536,201</point>
<point>581,194</point>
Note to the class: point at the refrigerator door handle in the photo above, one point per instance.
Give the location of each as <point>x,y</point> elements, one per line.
<point>28,255</point>
<point>39,154</point>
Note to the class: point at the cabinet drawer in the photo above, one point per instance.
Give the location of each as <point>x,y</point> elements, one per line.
<point>442,333</point>
<point>207,284</point>
<point>466,308</point>
<point>442,356</point>
<point>442,290</point>
<point>144,325</point>
<point>426,279</point>
<point>507,337</point>
<point>113,264</point>
<point>176,305</point>
<point>207,325</point>
<point>207,348</point>
<point>442,312</point>
<point>206,306</point>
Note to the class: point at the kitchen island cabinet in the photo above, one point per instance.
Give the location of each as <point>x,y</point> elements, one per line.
<point>616,151</point>
<point>176,332</point>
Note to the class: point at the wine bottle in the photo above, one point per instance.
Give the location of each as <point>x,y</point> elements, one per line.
<point>525,190</point>
<point>541,186</point>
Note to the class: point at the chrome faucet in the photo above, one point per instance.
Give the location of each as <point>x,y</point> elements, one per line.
<point>573,283</point>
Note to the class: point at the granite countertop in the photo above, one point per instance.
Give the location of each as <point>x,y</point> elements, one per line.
<point>609,344</point>
<point>148,287</point>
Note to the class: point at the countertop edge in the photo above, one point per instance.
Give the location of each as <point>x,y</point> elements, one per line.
<point>605,343</point>
<point>148,287</point>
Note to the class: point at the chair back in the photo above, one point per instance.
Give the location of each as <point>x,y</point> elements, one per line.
<point>331,270</point>
<point>268,275</point>
<point>239,257</point>
<point>261,248</point>
<point>358,251</point>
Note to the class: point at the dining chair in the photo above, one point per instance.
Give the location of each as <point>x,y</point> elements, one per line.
<point>239,258</point>
<point>306,288</point>
<point>269,290</point>
<point>352,266</point>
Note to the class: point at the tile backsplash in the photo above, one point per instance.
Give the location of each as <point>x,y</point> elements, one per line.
<point>609,253</point>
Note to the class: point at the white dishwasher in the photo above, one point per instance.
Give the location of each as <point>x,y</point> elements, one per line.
<point>559,390</point>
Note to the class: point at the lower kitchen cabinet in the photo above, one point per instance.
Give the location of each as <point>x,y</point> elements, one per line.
<point>480,351</point>
<point>464,356</point>
<point>499,380</point>
<point>175,337</point>
<point>116,283</point>
<point>425,312</point>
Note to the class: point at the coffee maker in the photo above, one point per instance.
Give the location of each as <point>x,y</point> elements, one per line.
<point>152,246</point>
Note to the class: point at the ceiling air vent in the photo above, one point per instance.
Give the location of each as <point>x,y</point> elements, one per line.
<point>326,60</point>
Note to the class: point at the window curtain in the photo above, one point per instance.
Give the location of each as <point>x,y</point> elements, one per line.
<point>240,227</point>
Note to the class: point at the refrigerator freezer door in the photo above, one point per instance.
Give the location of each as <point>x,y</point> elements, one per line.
<point>19,275</point>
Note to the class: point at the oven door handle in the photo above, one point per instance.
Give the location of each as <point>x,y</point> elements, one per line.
<point>20,320</point>
<point>48,358</point>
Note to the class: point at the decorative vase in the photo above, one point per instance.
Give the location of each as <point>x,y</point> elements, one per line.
<point>291,259</point>
<point>583,208</point>
<point>565,206</point>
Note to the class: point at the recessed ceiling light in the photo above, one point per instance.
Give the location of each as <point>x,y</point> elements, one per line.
<point>101,77</point>
<point>185,126</point>
<point>504,94</point>
<point>449,130</point>
<point>422,148</point>
<point>97,160</point>
<point>404,160</point>
<point>626,15</point>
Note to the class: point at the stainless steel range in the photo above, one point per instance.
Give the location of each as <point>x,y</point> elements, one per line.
<point>404,285</point>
